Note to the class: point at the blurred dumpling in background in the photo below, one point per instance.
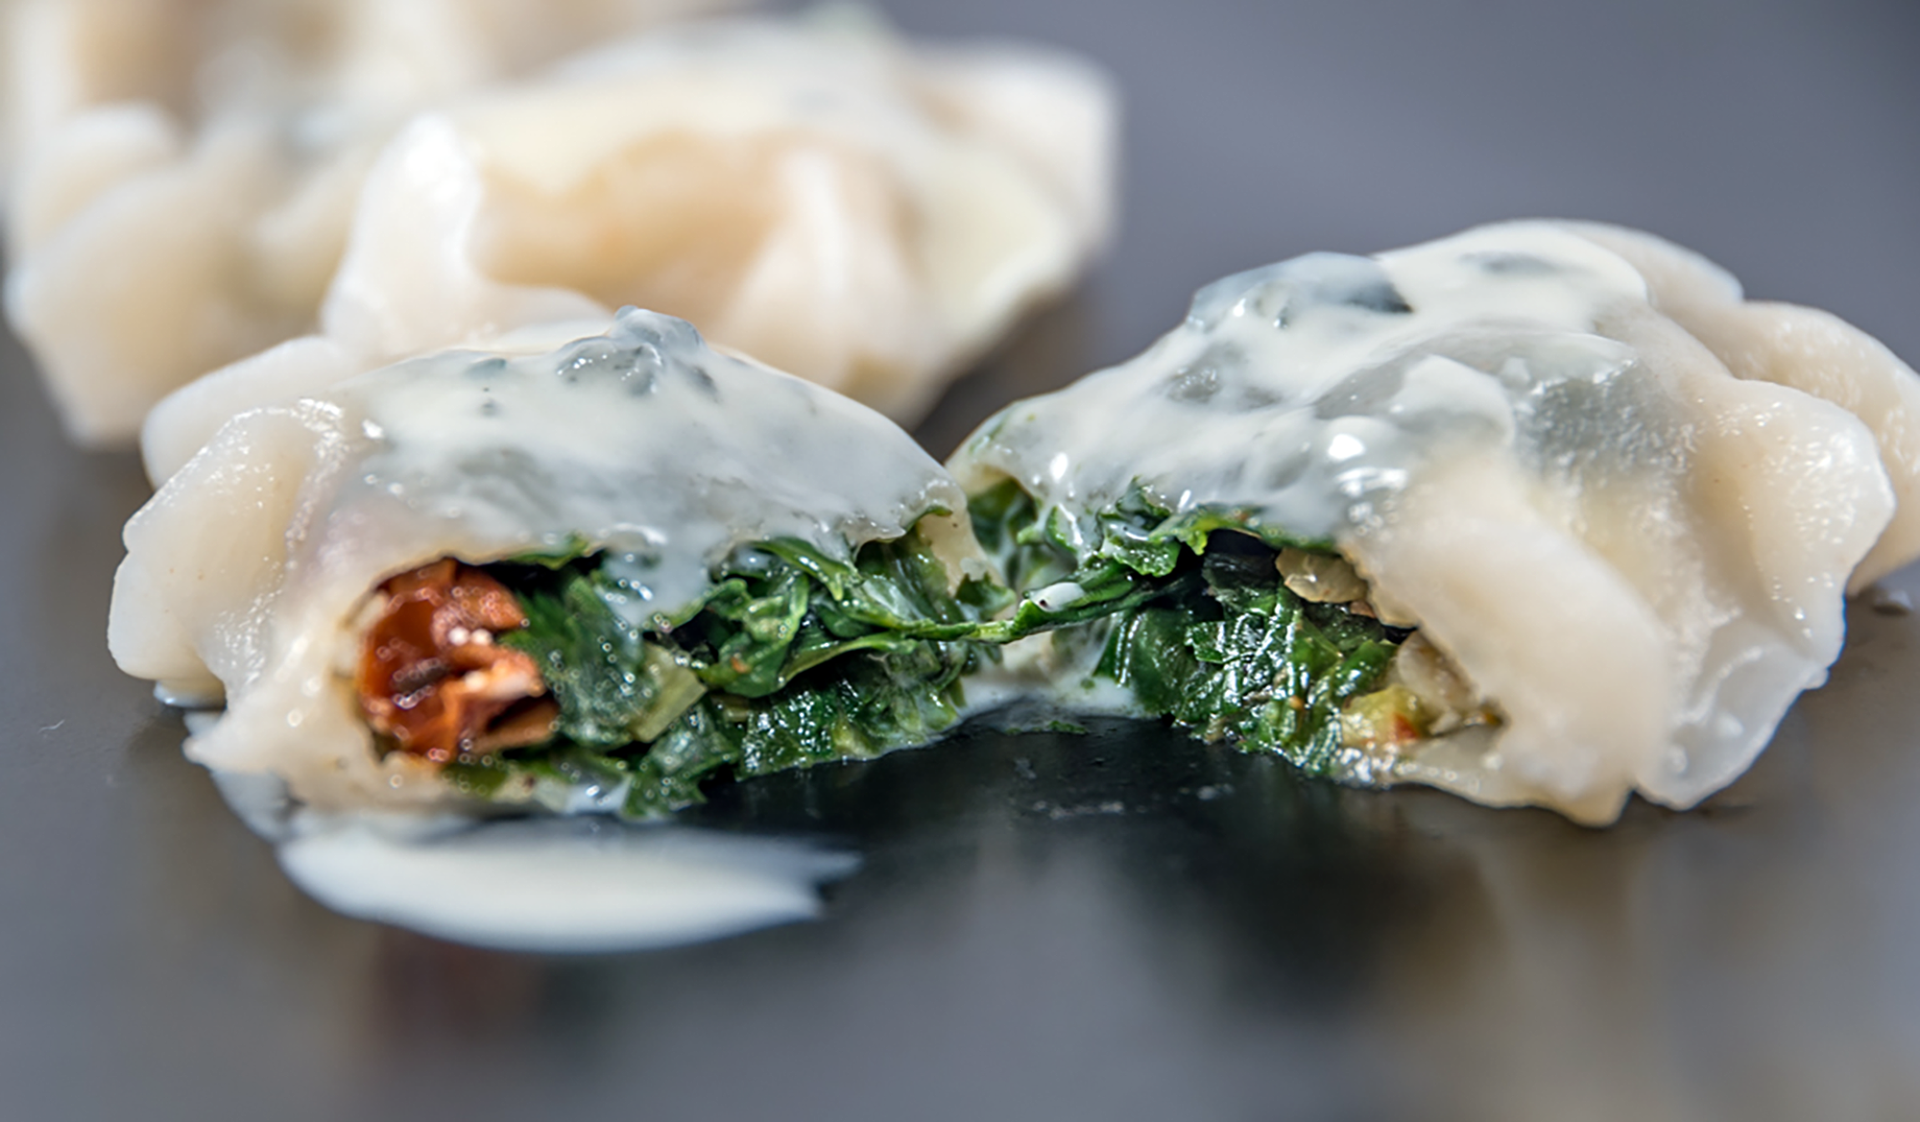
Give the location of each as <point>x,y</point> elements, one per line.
<point>817,193</point>
<point>813,192</point>
<point>183,171</point>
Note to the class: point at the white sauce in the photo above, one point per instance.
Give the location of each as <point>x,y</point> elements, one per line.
<point>1314,389</point>
<point>653,447</point>
<point>585,884</point>
<point>568,885</point>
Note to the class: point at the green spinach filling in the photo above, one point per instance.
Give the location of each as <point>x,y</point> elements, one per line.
<point>1193,617</point>
<point>791,658</point>
<point>794,658</point>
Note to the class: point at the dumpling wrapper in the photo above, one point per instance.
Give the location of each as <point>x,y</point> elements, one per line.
<point>183,171</point>
<point>246,573</point>
<point>1625,503</point>
<point>1808,349</point>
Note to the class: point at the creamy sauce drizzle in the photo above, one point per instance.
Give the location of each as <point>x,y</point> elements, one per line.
<point>643,442</point>
<point>561,884</point>
<point>1313,390</point>
<point>557,885</point>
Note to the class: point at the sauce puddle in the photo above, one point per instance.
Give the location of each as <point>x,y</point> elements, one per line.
<point>584,884</point>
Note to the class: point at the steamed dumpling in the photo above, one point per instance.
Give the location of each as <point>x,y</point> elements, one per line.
<point>250,575</point>
<point>811,192</point>
<point>183,171</point>
<point>815,194</point>
<point>1620,506</point>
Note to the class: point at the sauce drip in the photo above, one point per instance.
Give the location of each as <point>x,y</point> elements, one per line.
<point>431,676</point>
<point>556,885</point>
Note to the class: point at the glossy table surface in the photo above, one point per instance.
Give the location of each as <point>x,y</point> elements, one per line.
<point>1124,924</point>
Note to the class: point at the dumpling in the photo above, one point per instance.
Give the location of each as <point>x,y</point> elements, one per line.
<point>815,194</point>
<point>183,171</point>
<point>811,192</point>
<point>587,578</point>
<point>1540,513</point>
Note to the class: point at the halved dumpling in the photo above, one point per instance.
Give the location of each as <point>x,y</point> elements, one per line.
<point>1631,556</point>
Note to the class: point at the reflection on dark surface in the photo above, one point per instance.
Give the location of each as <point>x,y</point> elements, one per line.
<point>1204,837</point>
<point>1045,903</point>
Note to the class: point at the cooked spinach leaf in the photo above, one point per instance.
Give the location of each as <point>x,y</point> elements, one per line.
<point>1197,623</point>
<point>791,658</point>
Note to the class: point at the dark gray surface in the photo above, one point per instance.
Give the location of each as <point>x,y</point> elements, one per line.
<point>1015,946</point>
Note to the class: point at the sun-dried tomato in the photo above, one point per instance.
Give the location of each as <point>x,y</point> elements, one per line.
<point>432,676</point>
